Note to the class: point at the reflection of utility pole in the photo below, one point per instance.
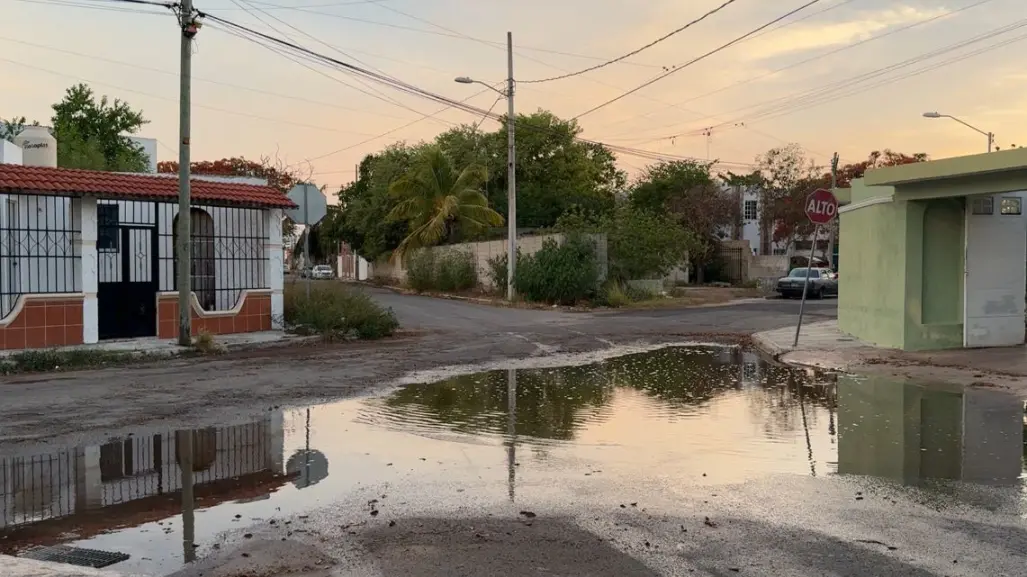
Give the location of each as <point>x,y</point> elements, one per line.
<point>511,431</point>
<point>185,466</point>
<point>306,454</point>
<point>805,426</point>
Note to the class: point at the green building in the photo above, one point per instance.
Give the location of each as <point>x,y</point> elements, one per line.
<point>935,254</point>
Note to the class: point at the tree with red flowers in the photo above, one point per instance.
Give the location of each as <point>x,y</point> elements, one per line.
<point>273,171</point>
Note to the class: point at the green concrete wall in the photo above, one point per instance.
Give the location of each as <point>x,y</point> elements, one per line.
<point>933,315</point>
<point>871,298</point>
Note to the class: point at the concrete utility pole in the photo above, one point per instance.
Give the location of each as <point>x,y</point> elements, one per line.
<point>833,231</point>
<point>511,178</point>
<point>511,164</point>
<point>187,21</point>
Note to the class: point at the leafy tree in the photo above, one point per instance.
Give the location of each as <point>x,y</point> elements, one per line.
<point>437,200</point>
<point>876,159</point>
<point>90,133</point>
<point>10,128</point>
<point>363,223</point>
<point>788,177</point>
<point>640,244</point>
<point>686,191</point>
<point>554,170</point>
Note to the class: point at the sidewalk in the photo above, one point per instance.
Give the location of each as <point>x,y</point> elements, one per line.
<point>822,345</point>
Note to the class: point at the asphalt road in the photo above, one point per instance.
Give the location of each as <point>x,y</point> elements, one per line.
<point>88,406</point>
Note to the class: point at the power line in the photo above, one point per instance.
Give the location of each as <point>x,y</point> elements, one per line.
<point>171,99</point>
<point>697,59</point>
<point>414,90</point>
<point>198,78</point>
<point>820,56</point>
<point>94,6</point>
<point>798,101</point>
<point>635,51</point>
<point>448,33</point>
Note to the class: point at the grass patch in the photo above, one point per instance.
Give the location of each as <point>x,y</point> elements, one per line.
<point>336,312</point>
<point>51,360</point>
<point>697,296</point>
<point>441,270</point>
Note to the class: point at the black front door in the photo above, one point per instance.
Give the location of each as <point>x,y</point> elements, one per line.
<point>127,290</point>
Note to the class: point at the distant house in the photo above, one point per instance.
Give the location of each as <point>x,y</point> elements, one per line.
<point>88,255</point>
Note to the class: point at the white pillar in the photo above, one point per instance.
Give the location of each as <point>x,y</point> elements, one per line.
<point>88,484</point>
<point>84,218</point>
<point>275,267</point>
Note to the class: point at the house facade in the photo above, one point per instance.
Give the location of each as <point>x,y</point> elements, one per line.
<point>935,254</point>
<point>87,255</point>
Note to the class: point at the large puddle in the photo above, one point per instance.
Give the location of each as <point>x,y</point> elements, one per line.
<point>662,421</point>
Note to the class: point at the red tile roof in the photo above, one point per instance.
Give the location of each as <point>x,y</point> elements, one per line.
<point>73,182</point>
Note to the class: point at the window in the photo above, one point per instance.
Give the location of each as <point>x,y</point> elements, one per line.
<point>1010,205</point>
<point>107,227</point>
<point>983,205</point>
<point>749,210</point>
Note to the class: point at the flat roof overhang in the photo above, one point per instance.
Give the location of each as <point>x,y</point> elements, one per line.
<point>988,173</point>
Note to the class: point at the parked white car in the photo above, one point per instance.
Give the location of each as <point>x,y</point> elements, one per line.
<point>322,272</point>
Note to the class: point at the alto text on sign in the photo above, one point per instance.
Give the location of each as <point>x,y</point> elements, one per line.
<point>821,206</point>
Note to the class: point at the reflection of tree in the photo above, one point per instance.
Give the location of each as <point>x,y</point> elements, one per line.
<point>552,403</point>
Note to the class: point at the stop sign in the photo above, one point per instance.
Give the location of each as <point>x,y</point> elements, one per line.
<point>821,206</point>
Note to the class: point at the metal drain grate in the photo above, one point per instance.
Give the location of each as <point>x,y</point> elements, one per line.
<point>75,556</point>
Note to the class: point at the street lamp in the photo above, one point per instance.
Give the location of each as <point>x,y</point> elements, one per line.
<point>511,157</point>
<point>990,135</point>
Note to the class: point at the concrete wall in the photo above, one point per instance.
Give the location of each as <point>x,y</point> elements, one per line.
<point>768,266</point>
<point>483,252</point>
<point>872,288</point>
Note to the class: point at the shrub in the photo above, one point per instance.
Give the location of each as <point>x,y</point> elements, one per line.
<point>455,271</point>
<point>336,312</point>
<point>615,296</point>
<point>497,272</point>
<point>559,273</point>
<point>421,270</point>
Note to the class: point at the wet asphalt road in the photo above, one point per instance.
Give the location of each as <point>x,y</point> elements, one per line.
<point>79,407</point>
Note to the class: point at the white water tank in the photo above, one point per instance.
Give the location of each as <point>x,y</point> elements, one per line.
<point>39,147</point>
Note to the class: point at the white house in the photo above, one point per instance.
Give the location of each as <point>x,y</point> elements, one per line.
<point>88,255</point>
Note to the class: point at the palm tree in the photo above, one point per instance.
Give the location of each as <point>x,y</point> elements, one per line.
<point>435,199</point>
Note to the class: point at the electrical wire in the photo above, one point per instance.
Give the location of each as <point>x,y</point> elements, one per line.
<point>814,58</point>
<point>414,90</point>
<point>697,59</point>
<point>199,78</point>
<point>802,100</point>
<point>289,122</point>
<point>643,48</point>
<point>93,6</point>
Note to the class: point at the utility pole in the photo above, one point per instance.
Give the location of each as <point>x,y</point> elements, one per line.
<point>511,174</point>
<point>833,231</point>
<point>187,22</point>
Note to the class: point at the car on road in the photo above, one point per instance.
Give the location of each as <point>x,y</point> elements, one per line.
<point>822,282</point>
<point>322,272</point>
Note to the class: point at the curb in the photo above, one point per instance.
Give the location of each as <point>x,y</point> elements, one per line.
<point>767,347</point>
<point>21,567</point>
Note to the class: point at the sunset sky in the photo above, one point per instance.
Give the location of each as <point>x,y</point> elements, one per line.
<point>251,102</point>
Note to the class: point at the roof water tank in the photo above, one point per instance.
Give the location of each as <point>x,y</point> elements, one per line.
<point>39,147</point>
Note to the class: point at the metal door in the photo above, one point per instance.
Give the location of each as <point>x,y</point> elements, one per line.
<point>127,291</point>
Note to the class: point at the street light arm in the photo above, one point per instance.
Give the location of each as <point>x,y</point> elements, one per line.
<point>466,80</point>
<point>968,125</point>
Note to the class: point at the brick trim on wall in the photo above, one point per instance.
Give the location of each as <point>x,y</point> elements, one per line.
<point>42,321</point>
<point>251,314</point>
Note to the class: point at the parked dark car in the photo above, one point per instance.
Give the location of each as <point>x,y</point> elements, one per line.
<point>822,282</point>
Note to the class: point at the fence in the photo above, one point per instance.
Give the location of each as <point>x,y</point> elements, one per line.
<point>38,252</point>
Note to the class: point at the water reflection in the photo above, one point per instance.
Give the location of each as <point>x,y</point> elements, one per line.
<point>90,490</point>
<point>912,432</point>
<point>673,415</point>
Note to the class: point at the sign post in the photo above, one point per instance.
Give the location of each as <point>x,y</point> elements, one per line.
<point>311,207</point>
<point>821,208</point>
